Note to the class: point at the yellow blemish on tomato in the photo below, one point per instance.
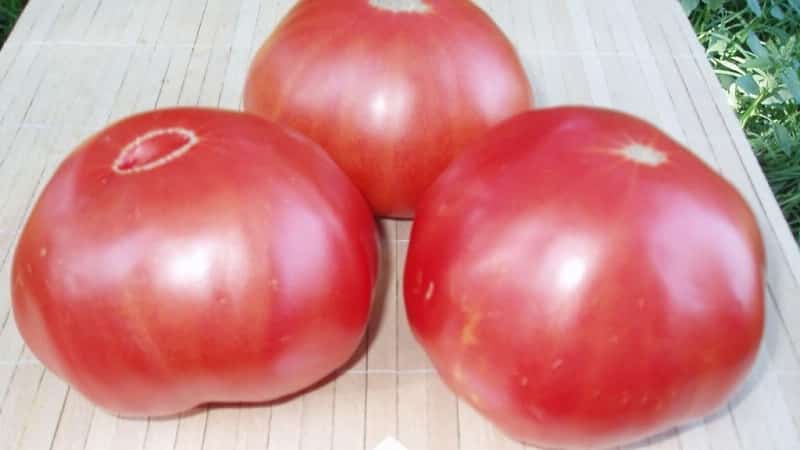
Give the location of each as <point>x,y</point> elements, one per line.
<point>458,374</point>
<point>402,6</point>
<point>643,154</point>
<point>469,334</point>
<point>475,399</point>
<point>43,252</point>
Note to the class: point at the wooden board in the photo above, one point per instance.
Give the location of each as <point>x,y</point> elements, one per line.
<point>71,66</point>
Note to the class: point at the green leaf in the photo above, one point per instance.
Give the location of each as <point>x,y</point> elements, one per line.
<point>768,80</point>
<point>773,100</point>
<point>717,45</point>
<point>755,45</point>
<point>690,5</point>
<point>755,6</point>
<point>759,62</point>
<point>784,95</point>
<point>790,78</point>
<point>733,67</point>
<point>784,138</point>
<point>777,12</point>
<point>781,34</point>
<point>714,4</point>
<point>732,99</point>
<point>726,80</point>
<point>796,5</point>
<point>748,84</point>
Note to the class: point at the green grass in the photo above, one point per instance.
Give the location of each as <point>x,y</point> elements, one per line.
<point>9,11</point>
<point>754,47</point>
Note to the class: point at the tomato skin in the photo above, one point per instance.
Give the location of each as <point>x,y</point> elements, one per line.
<point>393,96</point>
<point>239,271</point>
<point>579,296</point>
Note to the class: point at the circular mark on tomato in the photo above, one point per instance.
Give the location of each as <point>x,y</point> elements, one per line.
<point>154,149</point>
<point>402,6</point>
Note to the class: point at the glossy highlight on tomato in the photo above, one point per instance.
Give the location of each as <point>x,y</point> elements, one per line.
<point>393,89</point>
<point>187,256</point>
<point>584,281</point>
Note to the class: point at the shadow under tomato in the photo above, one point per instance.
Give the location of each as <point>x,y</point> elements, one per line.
<point>387,266</point>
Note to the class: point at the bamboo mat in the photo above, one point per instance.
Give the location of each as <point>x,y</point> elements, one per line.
<point>71,66</point>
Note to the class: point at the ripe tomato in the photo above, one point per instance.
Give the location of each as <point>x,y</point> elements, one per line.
<point>585,281</point>
<point>188,256</point>
<point>393,89</point>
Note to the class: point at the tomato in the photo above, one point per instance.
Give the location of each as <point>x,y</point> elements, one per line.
<point>188,256</point>
<point>393,89</point>
<point>583,280</point>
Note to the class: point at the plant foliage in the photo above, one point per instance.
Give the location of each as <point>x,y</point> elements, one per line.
<point>754,47</point>
<point>9,12</point>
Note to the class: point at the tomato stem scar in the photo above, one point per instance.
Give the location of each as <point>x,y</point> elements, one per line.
<point>402,6</point>
<point>644,154</point>
<point>145,152</point>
